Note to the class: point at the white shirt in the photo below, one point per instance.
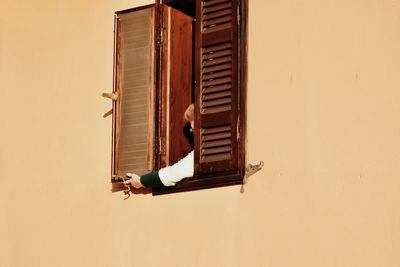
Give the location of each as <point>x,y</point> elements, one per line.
<point>170,175</point>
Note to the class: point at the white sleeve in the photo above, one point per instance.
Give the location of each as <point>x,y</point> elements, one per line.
<point>170,175</point>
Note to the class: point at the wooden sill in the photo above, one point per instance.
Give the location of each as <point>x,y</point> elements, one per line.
<point>199,182</point>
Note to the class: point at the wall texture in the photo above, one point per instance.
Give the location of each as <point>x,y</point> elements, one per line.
<point>323,114</point>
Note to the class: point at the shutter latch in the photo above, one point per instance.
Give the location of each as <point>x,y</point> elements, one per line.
<point>250,170</point>
<point>120,179</point>
<point>112,96</point>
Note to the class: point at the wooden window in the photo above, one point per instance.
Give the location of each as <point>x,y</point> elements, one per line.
<point>188,51</point>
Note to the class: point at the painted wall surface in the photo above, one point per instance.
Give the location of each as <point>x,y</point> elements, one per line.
<point>323,114</point>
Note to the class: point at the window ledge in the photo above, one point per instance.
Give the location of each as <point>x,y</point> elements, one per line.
<point>202,182</point>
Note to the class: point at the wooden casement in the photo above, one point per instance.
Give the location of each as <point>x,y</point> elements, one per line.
<point>200,59</point>
<point>176,87</point>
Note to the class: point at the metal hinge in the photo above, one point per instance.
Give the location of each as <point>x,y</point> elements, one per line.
<point>162,146</point>
<point>238,14</point>
<point>238,130</point>
<point>162,36</point>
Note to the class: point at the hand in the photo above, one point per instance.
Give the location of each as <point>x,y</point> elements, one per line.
<point>134,180</point>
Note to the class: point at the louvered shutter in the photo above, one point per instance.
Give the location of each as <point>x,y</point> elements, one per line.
<point>134,84</point>
<point>217,92</point>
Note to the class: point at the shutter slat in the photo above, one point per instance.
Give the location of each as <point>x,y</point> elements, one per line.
<point>217,81</point>
<point>214,2</point>
<point>216,136</point>
<point>218,27</point>
<point>216,150</point>
<point>217,61</point>
<point>215,48</point>
<point>217,95</point>
<point>222,142</point>
<point>216,109</point>
<point>216,129</point>
<point>218,20</point>
<point>211,55</point>
<point>217,7</point>
<point>218,74</point>
<point>217,14</point>
<point>209,90</point>
<point>217,68</point>
<point>217,102</point>
<point>218,157</point>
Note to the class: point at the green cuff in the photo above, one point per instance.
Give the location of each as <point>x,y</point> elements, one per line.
<point>151,179</point>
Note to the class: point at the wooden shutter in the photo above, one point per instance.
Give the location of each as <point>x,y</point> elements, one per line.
<point>217,90</point>
<point>133,123</point>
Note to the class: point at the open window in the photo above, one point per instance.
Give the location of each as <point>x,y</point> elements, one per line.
<point>168,55</point>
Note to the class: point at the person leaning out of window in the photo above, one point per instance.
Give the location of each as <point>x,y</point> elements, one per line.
<point>169,175</point>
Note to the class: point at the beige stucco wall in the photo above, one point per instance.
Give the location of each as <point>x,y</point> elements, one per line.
<point>323,114</point>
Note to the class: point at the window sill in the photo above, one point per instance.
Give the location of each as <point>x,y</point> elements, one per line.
<point>202,182</point>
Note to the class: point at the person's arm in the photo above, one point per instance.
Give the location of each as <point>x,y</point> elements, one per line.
<point>167,176</point>
<point>170,175</point>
